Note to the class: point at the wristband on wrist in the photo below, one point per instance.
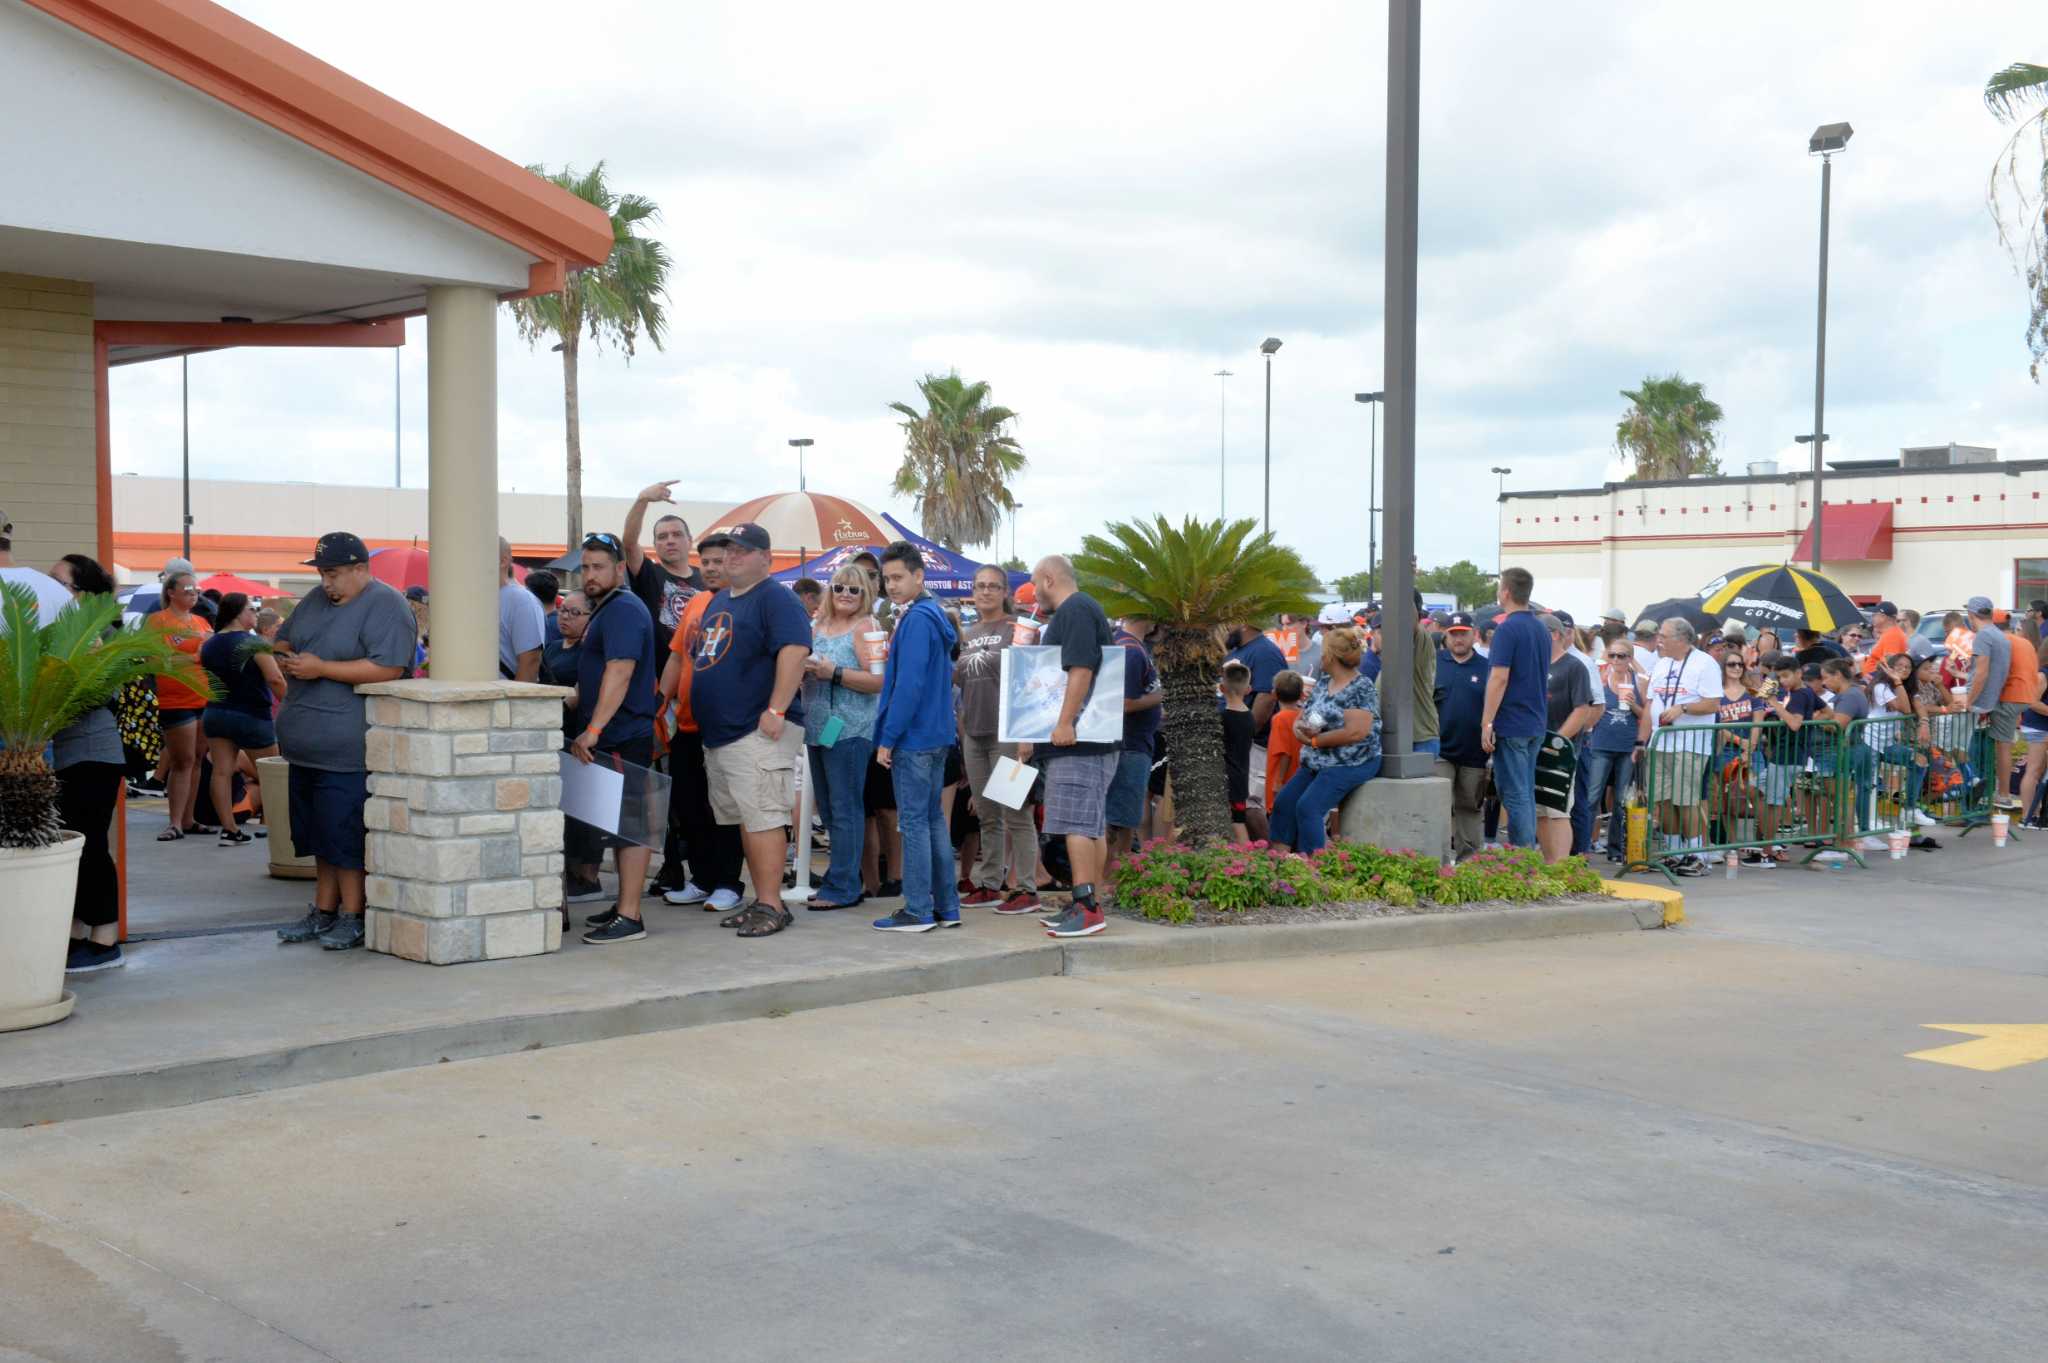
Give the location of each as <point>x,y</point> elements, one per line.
<point>775,712</point>
<point>594,731</point>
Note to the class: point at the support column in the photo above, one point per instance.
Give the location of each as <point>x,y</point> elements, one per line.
<point>462,479</point>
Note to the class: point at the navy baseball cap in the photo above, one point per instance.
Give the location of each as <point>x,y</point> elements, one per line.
<point>1565,618</point>
<point>1457,620</point>
<point>1885,608</point>
<point>338,549</point>
<point>415,593</point>
<point>749,536</point>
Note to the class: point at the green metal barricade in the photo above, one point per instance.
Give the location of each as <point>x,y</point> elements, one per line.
<point>1712,789</point>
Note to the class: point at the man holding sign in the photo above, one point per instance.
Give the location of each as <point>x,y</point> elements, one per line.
<point>1077,774</point>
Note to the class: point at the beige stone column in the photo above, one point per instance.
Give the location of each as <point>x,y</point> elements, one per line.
<point>462,480</point>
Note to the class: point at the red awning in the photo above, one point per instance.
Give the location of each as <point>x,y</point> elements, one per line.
<point>1850,531</point>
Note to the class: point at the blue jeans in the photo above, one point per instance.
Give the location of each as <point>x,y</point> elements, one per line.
<point>839,777</point>
<point>1514,777</point>
<point>929,886</point>
<point>1601,772</point>
<point>1303,806</point>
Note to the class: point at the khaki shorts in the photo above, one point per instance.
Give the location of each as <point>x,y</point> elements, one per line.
<point>1676,777</point>
<point>753,781</point>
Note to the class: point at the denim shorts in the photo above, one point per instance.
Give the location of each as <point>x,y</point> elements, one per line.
<point>1125,807</point>
<point>239,728</point>
<point>327,815</point>
<point>167,720</point>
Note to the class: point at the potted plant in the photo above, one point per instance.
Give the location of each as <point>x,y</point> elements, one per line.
<point>49,676</point>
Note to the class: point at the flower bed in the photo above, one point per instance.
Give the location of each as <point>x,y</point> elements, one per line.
<point>1174,883</point>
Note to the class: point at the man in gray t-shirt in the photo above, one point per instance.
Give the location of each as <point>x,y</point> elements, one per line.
<point>1990,661</point>
<point>353,631</point>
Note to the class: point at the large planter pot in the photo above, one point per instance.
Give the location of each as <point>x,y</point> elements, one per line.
<point>37,886</point>
<point>275,773</point>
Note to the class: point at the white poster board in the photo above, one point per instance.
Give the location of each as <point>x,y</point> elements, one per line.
<point>1034,687</point>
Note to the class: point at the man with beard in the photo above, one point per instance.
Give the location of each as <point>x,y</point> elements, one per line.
<point>354,631</point>
<point>615,704</point>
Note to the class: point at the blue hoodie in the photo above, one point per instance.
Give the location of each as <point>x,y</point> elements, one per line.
<point>917,683</point>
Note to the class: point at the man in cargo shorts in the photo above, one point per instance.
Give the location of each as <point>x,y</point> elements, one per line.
<point>1077,774</point>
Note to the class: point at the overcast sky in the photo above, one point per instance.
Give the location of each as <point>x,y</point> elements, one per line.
<point>1094,207</point>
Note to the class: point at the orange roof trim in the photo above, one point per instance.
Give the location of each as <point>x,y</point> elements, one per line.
<point>255,71</point>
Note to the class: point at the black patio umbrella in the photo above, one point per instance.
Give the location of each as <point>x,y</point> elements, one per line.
<point>1689,607</point>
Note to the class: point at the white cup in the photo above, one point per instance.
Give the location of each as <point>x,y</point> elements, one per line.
<point>2001,826</point>
<point>1898,839</point>
<point>877,650</point>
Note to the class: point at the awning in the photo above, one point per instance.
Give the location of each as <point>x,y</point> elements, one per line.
<point>1850,531</point>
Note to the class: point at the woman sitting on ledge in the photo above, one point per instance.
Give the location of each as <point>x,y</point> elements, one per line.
<point>1340,745</point>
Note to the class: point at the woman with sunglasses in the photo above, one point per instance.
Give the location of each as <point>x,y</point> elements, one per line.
<point>179,707</point>
<point>1616,742</point>
<point>1005,873</point>
<point>840,697</point>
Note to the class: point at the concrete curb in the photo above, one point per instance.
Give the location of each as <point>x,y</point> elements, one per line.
<point>290,1066</point>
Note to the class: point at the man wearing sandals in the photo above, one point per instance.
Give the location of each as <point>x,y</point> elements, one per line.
<point>353,631</point>
<point>913,733</point>
<point>751,644</point>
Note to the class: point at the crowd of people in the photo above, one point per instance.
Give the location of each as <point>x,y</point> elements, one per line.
<point>888,702</point>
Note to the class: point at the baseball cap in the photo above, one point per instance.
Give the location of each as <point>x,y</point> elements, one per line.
<point>717,539</point>
<point>1440,619</point>
<point>1978,605</point>
<point>748,535</point>
<point>338,549</point>
<point>1565,618</point>
<point>415,593</point>
<point>1734,629</point>
<point>1885,608</point>
<point>178,565</point>
<point>1920,648</point>
<point>1457,620</point>
<point>1333,614</point>
<point>1644,626</point>
<point>1614,613</point>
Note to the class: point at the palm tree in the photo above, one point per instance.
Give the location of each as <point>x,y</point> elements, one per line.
<point>958,459</point>
<point>1669,429</point>
<point>2018,196</point>
<point>1192,582</point>
<point>618,302</point>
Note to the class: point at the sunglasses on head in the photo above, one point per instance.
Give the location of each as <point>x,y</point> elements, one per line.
<point>603,539</point>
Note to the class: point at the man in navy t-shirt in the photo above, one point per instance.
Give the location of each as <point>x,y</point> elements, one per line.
<point>1461,677</point>
<point>752,642</point>
<point>1514,721</point>
<point>615,704</point>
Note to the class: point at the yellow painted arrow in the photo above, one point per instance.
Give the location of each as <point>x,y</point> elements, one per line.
<point>2001,1046</point>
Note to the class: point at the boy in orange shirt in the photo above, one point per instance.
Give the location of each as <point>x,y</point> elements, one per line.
<point>1283,746</point>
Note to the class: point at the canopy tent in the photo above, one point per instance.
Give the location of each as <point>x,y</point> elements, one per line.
<point>228,582</point>
<point>947,572</point>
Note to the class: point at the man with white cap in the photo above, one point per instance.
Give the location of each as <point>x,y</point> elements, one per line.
<point>51,595</point>
<point>1328,618</point>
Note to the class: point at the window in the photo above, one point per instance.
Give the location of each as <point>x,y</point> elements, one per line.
<point>2029,581</point>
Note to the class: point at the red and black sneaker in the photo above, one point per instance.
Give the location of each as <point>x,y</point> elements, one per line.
<point>975,898</point>
<point>1082,919</point>
<point>1020,901</point>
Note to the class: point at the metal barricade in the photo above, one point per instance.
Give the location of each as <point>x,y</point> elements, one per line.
<point>1721,788</point>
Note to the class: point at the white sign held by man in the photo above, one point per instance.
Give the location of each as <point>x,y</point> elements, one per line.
<point>1034,687</point>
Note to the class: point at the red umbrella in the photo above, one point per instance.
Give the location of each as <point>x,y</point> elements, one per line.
<point>402,568</point>
<point>228,582</point>
<point>810,521</point>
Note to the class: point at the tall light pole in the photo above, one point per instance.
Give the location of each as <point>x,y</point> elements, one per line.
<point>185,458</point>
<point>800,444</point>
<point>1016,510</point>
<point>1827,139</point>
<point>1372,487</point>
<point>1222,440</point>
<point>1397,369</point>
<point>1500,518</point>
<point>1266,348</point>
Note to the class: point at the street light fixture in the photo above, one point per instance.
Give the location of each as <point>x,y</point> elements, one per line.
<point>800,444</point>
<point>1500,519</point>
<point>1266,348</point>
<point>1372,487</point>
<point>1827,139</point>
<point>1222,443</point>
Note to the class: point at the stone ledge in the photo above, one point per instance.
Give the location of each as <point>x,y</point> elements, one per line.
<point>438,692</point>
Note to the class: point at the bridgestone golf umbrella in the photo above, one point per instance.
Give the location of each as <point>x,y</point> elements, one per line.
<point>1779,596</point>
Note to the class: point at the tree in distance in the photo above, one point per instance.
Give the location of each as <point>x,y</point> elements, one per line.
<point>1669,430</point>
<point>958,458</point>
<point>2018,193</point>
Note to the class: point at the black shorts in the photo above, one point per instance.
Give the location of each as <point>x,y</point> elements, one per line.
<point>881,790</point>
<point>238,727</point>
<point>327,815</point>
<point>956,769</point>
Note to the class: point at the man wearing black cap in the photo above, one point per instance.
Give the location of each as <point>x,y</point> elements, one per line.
<point>353,631</point>
<point>1891,638</point>
<point>751,644</point>
<point>1460,695</point>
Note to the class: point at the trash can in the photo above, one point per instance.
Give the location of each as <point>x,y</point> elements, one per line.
<point>275,775</point>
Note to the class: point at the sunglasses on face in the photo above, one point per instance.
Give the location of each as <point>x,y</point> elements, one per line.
<point>1619,657</point>
<point>846,591</point>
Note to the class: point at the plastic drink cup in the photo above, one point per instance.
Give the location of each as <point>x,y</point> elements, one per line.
<point>1898,839</point>
<point>2001,826</point>
<point>1026,631</point>
<point>873,649</point>
<point>1961,693</point>
<point>1732,861</point>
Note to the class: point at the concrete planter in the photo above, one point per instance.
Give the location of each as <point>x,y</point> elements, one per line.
<point>37,887</point>
<point>275,775</point>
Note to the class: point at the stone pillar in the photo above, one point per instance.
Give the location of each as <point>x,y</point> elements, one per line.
<point>464,819</point>
<point>462,479</point>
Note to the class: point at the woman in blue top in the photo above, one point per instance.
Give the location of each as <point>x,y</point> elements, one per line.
<point>840,696</point>
<point>236,721</point>
<point>1340,745</point>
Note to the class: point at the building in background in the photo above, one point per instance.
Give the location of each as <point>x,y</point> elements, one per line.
<point>1928,531</point>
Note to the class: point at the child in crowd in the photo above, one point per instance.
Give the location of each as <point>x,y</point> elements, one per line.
<point>1778,761</point>
<point>1283,746</point>
<point>1237,749</point>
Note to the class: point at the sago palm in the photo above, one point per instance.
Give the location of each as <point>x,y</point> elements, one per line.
<point>49,676</point>
<point>1193,581</point>
<point>2018,194</point>
<point>1669,429</point>
<point>620,301</point>
<point>958,458</point>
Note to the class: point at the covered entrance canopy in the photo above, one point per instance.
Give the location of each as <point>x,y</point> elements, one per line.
<point>1850,532</point>
<point>194,182</point>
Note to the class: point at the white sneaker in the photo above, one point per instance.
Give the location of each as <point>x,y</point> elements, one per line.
<point>689,894</point>
<point>1923,819</point>
<point>721,900</point>
<point>1872,845</point>
<point>1831,855</point>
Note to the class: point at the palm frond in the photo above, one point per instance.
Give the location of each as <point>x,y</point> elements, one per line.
<point>2014,89</point>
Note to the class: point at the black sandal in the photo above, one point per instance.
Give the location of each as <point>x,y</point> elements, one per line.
<point>764,920</point>
<point>737,916</point>
<point>171,834</point>
<point>815,907</point>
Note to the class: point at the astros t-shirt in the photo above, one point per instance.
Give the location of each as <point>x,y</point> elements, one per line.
<point>733,670</point>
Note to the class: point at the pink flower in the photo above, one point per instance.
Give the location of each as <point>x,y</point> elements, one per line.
<point>1260,844</point>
